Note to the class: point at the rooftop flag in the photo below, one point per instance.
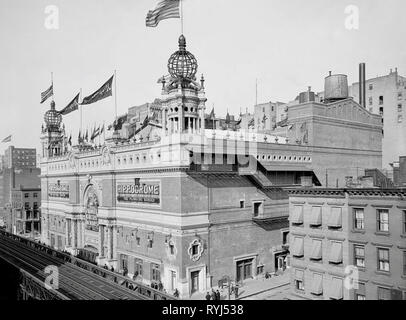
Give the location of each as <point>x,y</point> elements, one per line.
<point>103,92</point>
<point>72,106</point>
<point>7,139</point>
<point>165,9</point>
<point>47,93</point>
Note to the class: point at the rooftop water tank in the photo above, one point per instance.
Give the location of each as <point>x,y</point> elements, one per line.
<point>335,87</point>
<point>307,96</point>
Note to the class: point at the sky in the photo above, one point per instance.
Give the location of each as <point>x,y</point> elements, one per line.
<point>287,45</point>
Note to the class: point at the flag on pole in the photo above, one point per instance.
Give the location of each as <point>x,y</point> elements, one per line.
<point>87,135</point>
<point>70,140</point>
<point>72,106</point>
<point>165,9</point>
<point>102,129</point>
<point>95,133</point>
<point>47,93</point>
<point>211,116</point>
<point>7,139</point>
<point>80,138</point>
<point>103,92</point>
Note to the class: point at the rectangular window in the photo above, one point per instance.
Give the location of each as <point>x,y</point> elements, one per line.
<point>242,204</point>
<point>384,294</point>
<point>383,220</point>
<point>404,263</point>
<point>400,118</point>
<point>257,208</point>
<point>359,256</point>
<point>336,253</point>
<point>298,247</point>
<point>285,237</point>
<point>400,95</point>
<point>26,195</point>
<point>299,280</point>
<point>399,107</point>
<point>155,272</point>
<point>315,218</point>
<point>297,215</point>
<point>317,284</point>
<point>316,253</point>
<point>380,100</point>
<point>359,219</point>
<point>371,86</point>
<point>404,221</point>
<point>383,259</point>
<point>336,289</point>
<point>335,219</point>
<point>370,101</point>
<point>360,292</point>
<point>138,267</point>
<point>35,195</point>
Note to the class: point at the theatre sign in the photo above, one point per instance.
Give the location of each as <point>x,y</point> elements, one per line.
<point>147,193</point>
<point>58,190</point>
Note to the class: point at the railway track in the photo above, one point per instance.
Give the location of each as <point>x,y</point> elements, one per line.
<point>74,283</point>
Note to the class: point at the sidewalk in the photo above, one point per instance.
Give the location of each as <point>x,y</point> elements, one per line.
<point>251,287</point>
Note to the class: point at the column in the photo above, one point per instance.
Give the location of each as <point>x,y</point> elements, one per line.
<point>202,124</point>
<point>108,242</point>
<point>67,232</point>
<point>163,121</point>
<point>114,233</point>
<point>83,232</point>
<point>74,235</point>
<point>101,241</point>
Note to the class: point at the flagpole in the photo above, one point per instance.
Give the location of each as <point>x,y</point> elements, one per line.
<point>52,83</point>
<point>115,91</point>
<point>80,111</point>
<point>181,16</point>
<point>256,91</point>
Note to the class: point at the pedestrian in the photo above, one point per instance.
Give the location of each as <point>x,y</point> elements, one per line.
<point>160,286</point>
<point>236,291</point>
<point>176,293</point>
<point>208,296</point>
<point>218,296</point>
<point>213,295</point>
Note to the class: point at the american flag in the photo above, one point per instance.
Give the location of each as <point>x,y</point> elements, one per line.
<point>165,9</point>
<point>47,93</point>
<point>7,139</point>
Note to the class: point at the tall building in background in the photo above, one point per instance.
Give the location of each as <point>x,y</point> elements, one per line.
<point>19,158</point>
<point>386,96</point>
<point>361,229</point>
<point>19,172</point>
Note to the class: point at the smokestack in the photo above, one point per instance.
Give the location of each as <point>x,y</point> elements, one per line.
<point>362,85</point>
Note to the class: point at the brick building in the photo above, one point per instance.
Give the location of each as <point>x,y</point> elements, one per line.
<point>186,205</point>
<point>361,229</point>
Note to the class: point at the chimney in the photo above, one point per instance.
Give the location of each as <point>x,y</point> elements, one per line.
<point>362,85</point>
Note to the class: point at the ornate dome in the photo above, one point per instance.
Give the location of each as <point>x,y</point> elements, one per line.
<point>52,118</point>
<point>182,64</point>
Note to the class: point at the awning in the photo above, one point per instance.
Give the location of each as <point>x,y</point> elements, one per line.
<point>361,289</point>
<point>316,250</point>
<point>298,247</point>
<point>336,252</point>
<point>299,274</point>
<point>335,219</point>
<point>315,218</point>
<point>297,215</point>
<point>317,284</point>
<point>336,289</point>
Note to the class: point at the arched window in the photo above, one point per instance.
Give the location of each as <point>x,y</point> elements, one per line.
<point>92,204</point>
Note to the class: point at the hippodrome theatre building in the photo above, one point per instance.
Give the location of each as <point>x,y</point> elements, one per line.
<point>180,204</point>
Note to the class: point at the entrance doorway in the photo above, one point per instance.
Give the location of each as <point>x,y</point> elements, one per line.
<point>194,276</point>
<point>280,262</point>
<point>244,269</point>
